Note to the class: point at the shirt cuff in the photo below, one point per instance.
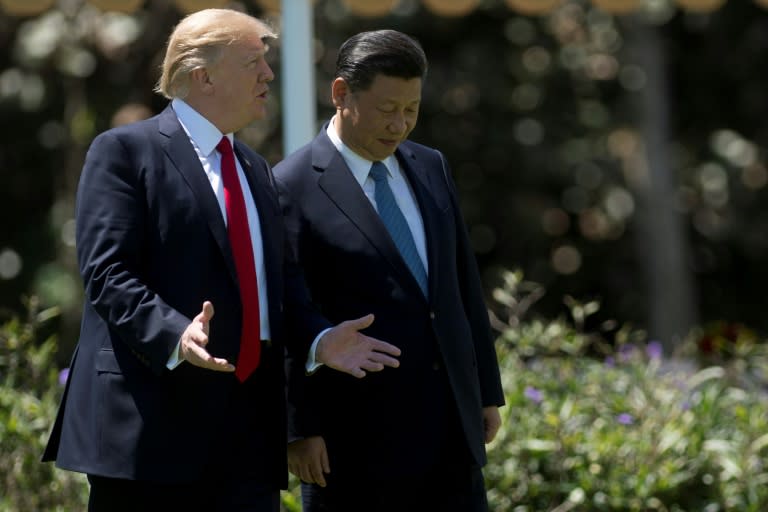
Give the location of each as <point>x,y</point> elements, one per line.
<point>173,360</point>
<point>312,365</point>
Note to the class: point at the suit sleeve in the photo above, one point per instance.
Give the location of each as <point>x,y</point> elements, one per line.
<point>303,412</point>
<point>111,236</point>
<point>474,304</point>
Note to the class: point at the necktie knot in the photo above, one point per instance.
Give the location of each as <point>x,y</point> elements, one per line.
<point>378,172</point>
<point>224,146</point>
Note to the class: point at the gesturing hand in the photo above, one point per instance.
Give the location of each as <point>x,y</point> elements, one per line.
<point>345,349</point>
<point>195,338</point>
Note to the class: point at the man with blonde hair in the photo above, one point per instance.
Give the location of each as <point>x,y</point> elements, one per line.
<point>170,404</point>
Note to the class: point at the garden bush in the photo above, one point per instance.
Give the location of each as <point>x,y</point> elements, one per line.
<point>30,390</point>
<point>609,423</point>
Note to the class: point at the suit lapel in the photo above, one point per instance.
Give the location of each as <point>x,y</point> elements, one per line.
<point>419,179</point>
<point>181,153</point>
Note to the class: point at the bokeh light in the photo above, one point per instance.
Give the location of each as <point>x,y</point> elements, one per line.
<point>618,6</point>
<point>25,7</point>
<point>702,6</point>
<point>10,263</point>
<point>366,8</point>
<point>190,6</point>
<point>124,6</point>
<point>566,259</point>
<point>451,8</point>
<point>533,7</point>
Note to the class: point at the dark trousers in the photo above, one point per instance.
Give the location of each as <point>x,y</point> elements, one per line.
<point>117,495</point>
<point>445,489</point>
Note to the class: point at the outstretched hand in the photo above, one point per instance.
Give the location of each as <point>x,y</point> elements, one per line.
<point>345,349</point>
<point>195,338</point>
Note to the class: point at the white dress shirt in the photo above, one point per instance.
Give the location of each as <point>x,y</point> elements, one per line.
<point>204,137</point>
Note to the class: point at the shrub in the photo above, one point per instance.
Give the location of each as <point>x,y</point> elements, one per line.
<point>29,397</point>
<point>613,425</point>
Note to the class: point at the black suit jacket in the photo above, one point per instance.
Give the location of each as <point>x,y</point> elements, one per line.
<point>152,246</point>
<point>352,267</point>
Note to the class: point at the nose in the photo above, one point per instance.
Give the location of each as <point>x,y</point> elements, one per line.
<point>398,123</point>
<point>266,74</point>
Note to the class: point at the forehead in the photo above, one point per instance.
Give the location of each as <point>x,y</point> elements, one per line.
<point>250,46</point>
<point>384,88</point>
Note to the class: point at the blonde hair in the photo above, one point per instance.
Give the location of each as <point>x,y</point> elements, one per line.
<point>198,40</point>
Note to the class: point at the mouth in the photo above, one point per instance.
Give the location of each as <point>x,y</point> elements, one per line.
<point>389,142</point>
<point>263,95</point>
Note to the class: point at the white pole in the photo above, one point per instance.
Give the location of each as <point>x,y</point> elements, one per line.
<point>298,80</point>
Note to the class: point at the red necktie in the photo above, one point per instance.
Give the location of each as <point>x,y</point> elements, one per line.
<point>242,250</point>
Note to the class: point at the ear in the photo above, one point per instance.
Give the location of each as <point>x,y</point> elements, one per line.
<point>340,92</point>
<point>202,80</point>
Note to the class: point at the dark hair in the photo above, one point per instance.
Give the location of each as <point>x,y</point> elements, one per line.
<point>386,52</point>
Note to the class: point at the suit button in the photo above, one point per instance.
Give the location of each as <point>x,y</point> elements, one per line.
<point>432,315</point>
<point>436,365</point>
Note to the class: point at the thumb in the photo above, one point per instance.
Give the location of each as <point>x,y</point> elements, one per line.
<point>206,314</point>
<point>361,323</point>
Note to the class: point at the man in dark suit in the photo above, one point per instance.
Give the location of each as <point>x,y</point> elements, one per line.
<point>171,405</point>
<point>375,223</point>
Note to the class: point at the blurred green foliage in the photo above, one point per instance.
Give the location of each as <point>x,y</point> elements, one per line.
<point>592,425</point>
<point>29,397</point>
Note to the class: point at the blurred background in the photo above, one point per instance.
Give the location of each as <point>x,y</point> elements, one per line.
<point>611,150</point>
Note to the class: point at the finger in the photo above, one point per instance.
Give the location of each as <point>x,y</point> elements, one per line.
<point>360,323</point>
<point>221,365</point>
<point>355,372</point>
<point>383,346</point>
<point>317,473</point>
<point>324,460</point>
<point>385,360</point>
<point>372,366</point>
<point>320,479</point>
<point>306,475</point>
<point>203,359</point>
<point>207,311</point>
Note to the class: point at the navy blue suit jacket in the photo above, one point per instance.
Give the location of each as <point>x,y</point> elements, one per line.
<point>152,246</point>
<point>353,268</point>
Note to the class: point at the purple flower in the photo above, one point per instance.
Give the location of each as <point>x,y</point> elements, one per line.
<point>610,362</point>
<point>63,376</point>
<point>626,352</point>
<point>533,394</point>
<point>625,418</point>
<point>654,350</point>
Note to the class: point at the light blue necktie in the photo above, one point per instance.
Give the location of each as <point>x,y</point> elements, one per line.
<point>396,224</point>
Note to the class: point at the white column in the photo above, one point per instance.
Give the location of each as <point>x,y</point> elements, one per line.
<point>298,80</point>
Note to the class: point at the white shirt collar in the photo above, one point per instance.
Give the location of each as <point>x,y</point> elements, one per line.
<point>359,166</point>
<point>202,132</point>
